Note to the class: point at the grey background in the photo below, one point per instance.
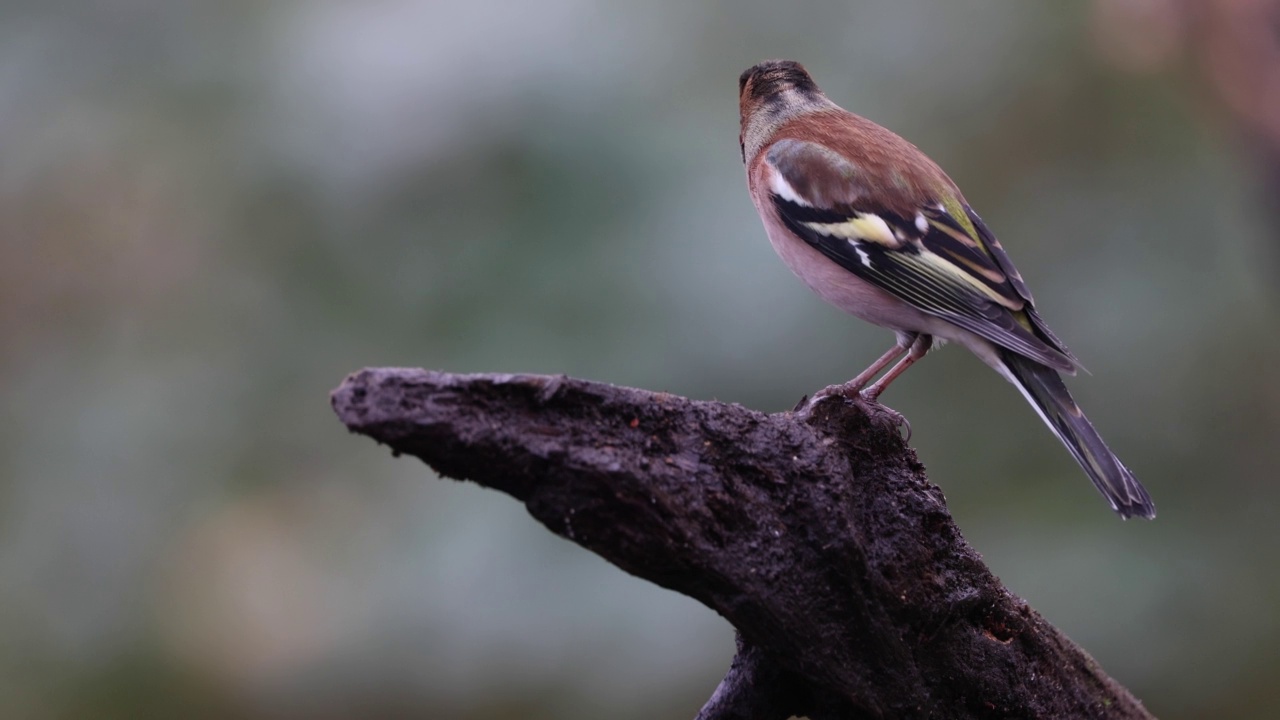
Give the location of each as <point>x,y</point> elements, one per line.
<point>210,212</point>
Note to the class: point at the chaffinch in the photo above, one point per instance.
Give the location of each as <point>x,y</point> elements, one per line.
<point>877,229</point>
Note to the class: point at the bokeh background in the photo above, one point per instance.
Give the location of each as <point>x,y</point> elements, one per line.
<point>211,212</point>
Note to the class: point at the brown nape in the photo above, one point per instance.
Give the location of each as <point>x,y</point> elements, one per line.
<point>773,76</point>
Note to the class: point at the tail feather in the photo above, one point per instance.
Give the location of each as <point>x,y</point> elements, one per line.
<point>1044,389</point>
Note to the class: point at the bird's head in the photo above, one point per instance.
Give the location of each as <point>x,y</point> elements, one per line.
<point>771,90</point>
<point>771,78</point>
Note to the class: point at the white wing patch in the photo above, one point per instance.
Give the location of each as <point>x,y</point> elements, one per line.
<point>862,254</point>
<point>783,189</point>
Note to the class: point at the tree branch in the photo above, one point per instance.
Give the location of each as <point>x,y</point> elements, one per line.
<point>819,538</point>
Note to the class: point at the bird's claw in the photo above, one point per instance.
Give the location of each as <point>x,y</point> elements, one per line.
<point>898,418</point>
<point>807,403</point>
<point>850,392</point>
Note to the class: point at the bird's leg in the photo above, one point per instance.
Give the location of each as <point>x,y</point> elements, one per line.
<point>918,349</point>
<point>853,387</point>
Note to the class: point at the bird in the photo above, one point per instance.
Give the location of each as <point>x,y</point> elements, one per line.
<point>877,229</point>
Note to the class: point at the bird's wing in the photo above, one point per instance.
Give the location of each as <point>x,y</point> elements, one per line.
<point>936,255</point>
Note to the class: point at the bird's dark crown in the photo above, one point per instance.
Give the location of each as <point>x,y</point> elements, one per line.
<point>774,76</point>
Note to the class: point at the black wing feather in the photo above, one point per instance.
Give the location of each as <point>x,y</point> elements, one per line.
<point>904,273</point>
<point>988,238</point>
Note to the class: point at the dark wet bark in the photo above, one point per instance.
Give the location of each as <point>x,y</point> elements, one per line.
<point>818,536</point>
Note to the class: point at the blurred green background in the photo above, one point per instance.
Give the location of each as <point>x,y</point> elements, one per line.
<point>211,212</point>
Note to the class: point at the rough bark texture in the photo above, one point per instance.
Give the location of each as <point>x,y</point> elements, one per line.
<point>818,537</point>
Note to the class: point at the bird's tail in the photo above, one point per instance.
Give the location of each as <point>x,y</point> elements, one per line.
<point>1044,389</point>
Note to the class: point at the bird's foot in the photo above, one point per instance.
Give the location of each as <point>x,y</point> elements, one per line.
<point>844,390</point>
<point>851,391</point>
<point>899,420</point>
